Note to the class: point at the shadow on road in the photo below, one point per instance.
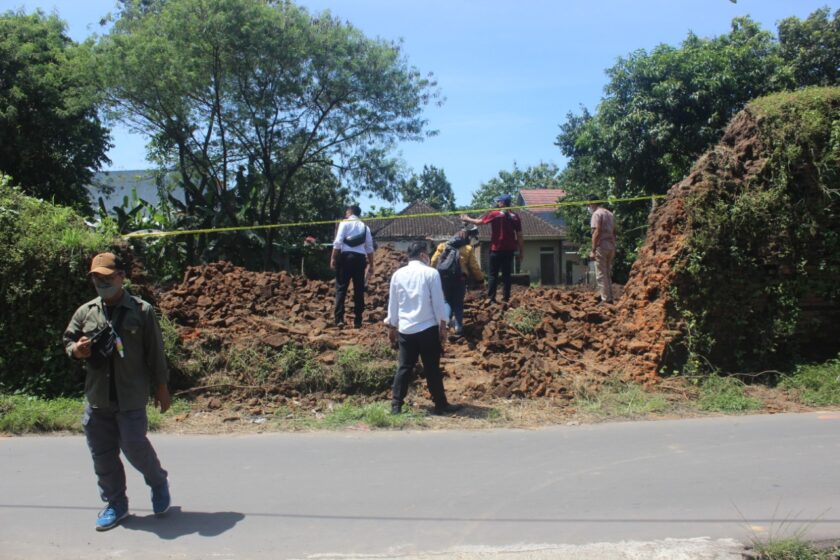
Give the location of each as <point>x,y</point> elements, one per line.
<point>178,523</point>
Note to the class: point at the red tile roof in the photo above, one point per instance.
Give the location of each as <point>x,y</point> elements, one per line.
<point>540,196</point>
<point>533,227</point>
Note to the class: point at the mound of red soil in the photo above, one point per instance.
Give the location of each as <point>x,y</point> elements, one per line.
<point>493,359</point>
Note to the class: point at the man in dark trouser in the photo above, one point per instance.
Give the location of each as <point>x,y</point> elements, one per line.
<point>120,340</point>
<point>505,240</point>
<point>417,319</point>
<point>500,261</point>
<point>352,251</point>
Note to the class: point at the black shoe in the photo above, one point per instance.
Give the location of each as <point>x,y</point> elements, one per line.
<point>340,323</point>
<point>357,324</point>
<point>396,409</point>
<point>446,409</point>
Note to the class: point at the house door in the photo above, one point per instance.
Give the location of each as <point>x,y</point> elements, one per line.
<point>547,273</point>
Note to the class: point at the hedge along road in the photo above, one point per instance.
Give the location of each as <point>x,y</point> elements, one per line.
<point>283,496</point>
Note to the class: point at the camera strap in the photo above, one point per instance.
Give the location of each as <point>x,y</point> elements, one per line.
<point>116,325</point>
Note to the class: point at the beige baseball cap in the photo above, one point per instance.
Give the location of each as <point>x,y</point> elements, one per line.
<point>105,264</point>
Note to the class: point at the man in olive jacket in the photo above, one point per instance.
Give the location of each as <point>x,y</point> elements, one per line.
<point>119,338</point>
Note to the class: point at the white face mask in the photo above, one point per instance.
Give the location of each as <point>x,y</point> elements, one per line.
<point>106,290</point>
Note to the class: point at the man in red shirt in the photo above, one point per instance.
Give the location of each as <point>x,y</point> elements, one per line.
<point>505,240</point>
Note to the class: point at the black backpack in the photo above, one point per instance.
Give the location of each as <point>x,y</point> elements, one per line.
<point>449,264</point>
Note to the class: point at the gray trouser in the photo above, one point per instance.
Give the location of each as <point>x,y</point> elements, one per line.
<point>107,433</point>
<point>603,272</point>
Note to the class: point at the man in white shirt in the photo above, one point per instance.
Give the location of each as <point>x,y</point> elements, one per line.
<point>416,320</point>
<point>352,246</point>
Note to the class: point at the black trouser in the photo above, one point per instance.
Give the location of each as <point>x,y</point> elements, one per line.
<point>500,260</point>
<point>351,266</point>
<point>426,345</point>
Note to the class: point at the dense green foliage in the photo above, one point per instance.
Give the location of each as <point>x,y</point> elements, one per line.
<point>44,251</point>
<point>662,109</point>
<point>810,48</point>
<point>431,186</point>
<point>815,384</point>
<point>51,139</point>
<point>266,112</point>
<point>757,283</point>
<point>540,176</point>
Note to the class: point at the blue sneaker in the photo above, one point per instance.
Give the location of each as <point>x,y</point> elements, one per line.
<point>161,499</point>
<point>111,516</point>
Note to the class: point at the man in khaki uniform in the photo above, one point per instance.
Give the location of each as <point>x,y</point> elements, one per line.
<point>602,223</point>
<point>118,337</point>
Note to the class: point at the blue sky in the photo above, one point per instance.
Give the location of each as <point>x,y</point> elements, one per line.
<point>509,71</point>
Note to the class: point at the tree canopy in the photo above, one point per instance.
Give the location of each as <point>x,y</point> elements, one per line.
<point>541,176</point>
<point>811,48</point>
<point>236,92</point>
<point>51,138</point>
<point>662,109</point>
<point>431,186</point>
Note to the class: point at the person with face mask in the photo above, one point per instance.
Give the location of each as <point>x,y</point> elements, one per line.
<point>118,338</point>
<point>455,284</point>
<point>416,321</point>
<point>602,223</point>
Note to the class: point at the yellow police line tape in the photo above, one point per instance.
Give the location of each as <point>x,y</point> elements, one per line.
<point>172,233</point>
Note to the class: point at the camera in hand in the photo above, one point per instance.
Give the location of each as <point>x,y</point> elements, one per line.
<point>102,346</point>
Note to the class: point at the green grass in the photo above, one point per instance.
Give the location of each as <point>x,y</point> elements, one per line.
<point>347,414</point>
<point>725,394</point>
<point>364,370</point>
<point>815,384</point>
<point>375,415</point>
<point>523,319</point>
<point>20,414</point>
<point>791,549</point>
<point>621,400</point>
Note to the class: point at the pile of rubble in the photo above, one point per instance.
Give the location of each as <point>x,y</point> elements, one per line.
<point>274,306</point>
<point>497,357</point>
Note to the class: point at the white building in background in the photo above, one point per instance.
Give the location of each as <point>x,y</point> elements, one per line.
<point>117,187</point>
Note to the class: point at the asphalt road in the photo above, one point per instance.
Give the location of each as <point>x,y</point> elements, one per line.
<point>283,496</point>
